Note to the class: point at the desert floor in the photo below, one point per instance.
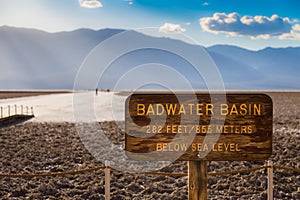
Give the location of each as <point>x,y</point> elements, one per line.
<point>46,147</point>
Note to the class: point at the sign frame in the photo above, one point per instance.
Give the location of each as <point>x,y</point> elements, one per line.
<point>236,146</point>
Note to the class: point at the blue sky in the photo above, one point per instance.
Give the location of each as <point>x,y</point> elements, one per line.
<point>252,24</point>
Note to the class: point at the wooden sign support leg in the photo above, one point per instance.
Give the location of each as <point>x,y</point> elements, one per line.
<point>197,172</point>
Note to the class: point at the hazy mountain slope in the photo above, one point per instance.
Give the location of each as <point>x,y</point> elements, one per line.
<point>40,60</point>
<point>271,68</point>
<point>33,59</point>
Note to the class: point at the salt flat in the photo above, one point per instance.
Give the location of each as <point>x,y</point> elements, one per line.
<point>106,106</point>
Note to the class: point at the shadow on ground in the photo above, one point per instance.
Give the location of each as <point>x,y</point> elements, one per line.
<point>13,120</point>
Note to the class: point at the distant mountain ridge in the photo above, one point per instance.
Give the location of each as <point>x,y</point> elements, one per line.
<point>34,59</point>
<point>278,68</point>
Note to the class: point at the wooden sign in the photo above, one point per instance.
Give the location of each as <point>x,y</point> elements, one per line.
<point>191,127</point>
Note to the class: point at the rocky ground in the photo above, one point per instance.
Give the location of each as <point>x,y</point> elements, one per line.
<point>57,147</point>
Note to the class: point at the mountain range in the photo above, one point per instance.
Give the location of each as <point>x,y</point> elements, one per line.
<point>34,59</point>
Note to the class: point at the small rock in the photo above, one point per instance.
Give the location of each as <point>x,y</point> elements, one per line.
<point>48,189</point>
<point>212,180</point>
<point>232,187</point>
<point>222,187</point>
<point>134,187</point>
<point>296,195</point>
<point>19,192</point>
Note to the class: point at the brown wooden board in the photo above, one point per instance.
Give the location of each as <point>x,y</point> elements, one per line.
<point>186,126</point>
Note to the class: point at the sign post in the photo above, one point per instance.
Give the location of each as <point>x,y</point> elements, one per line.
<point>194,128</point>
<point>197,177</point>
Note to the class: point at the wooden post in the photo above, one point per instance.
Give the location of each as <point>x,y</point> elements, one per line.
<point>270,179</point>
<point>21,109</point>
<point>1,112</point>
<point>197,172</point>
<point>107,180</point>
<point>16,109</point>
<point>8,110</point>
<point>27,110</point>
<point>32,111</point>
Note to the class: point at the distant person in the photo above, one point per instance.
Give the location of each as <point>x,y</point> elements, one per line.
<point>96,91</point>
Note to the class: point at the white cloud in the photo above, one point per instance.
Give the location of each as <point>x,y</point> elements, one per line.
<point>130,2</point>
<point>264,36</point>
<point>296,27</point>
<point>90,3</point>
<point>188,23</point>
<point>294,34</point>
<point>171,28</point>
<point>254,26</point>
<point>205,4</point>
